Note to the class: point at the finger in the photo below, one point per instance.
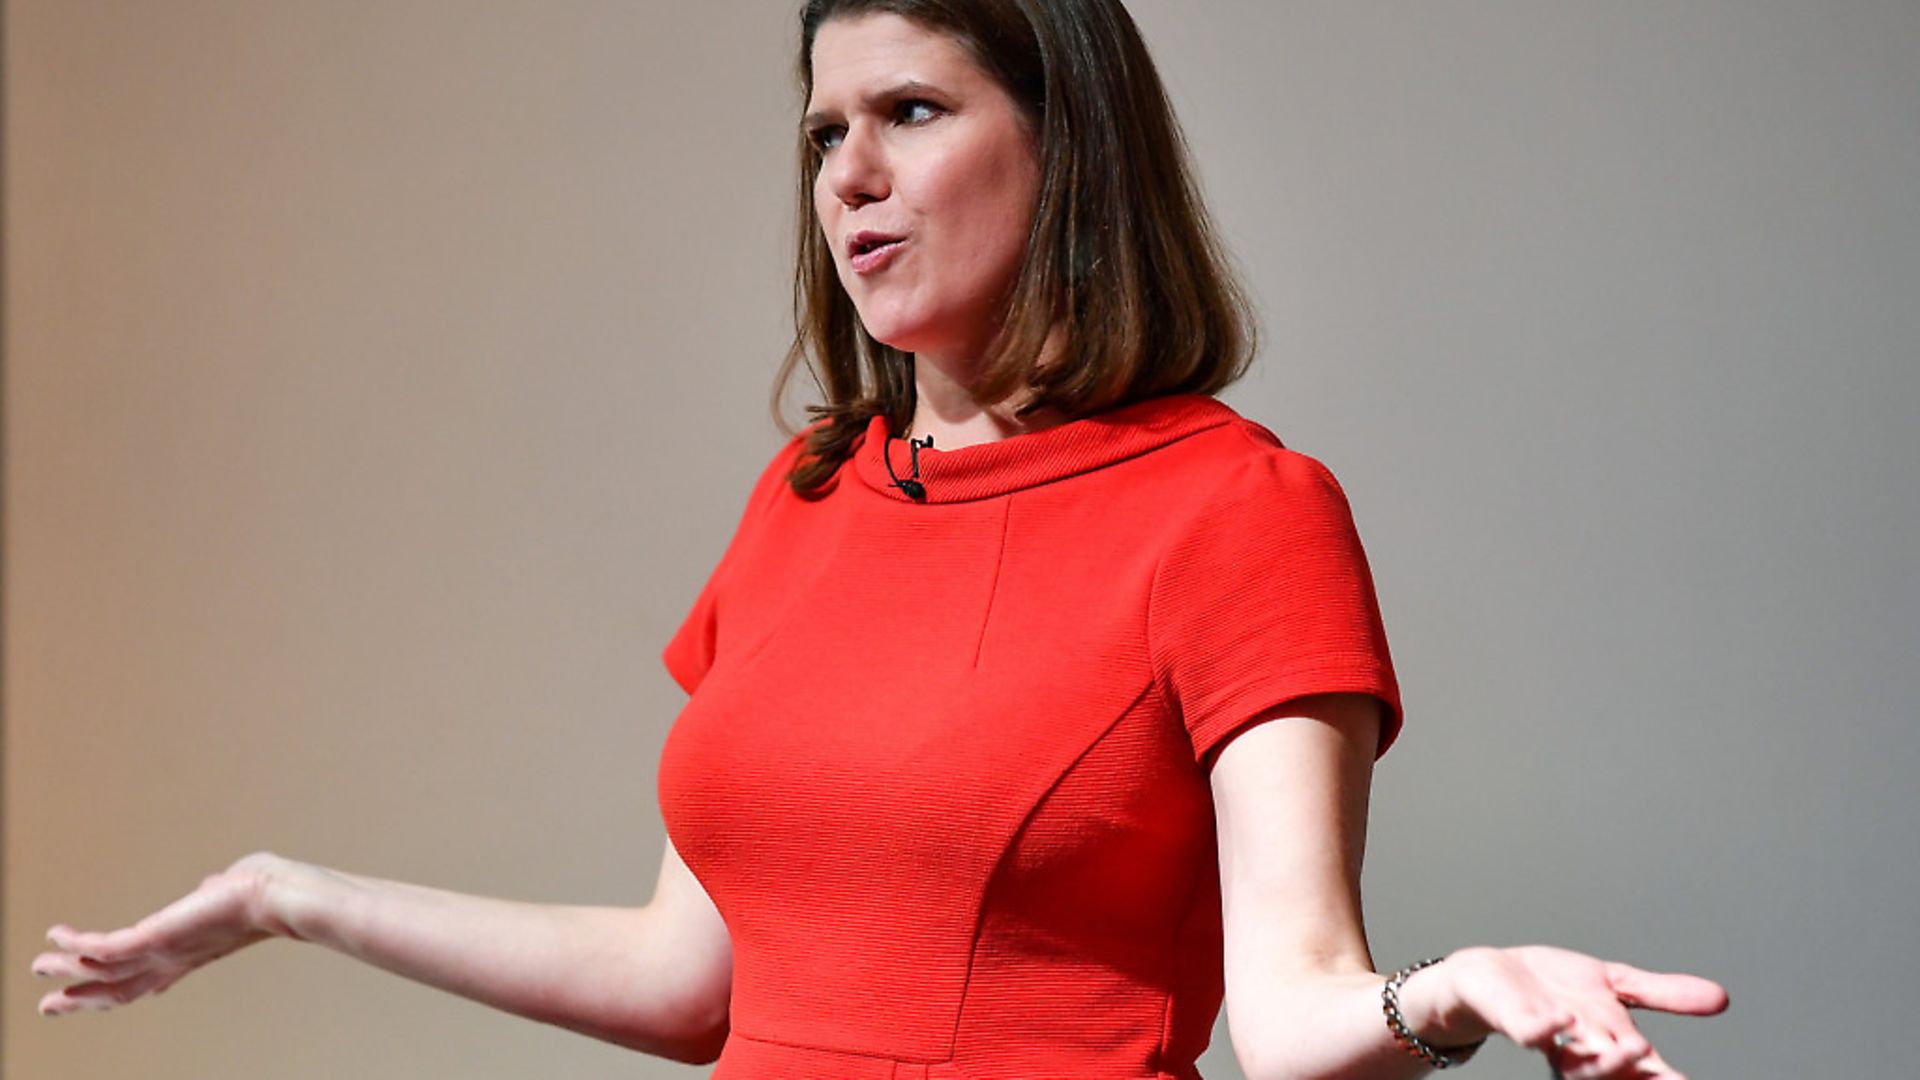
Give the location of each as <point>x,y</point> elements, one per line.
<point>1582,1055</point>
<point>61,1002</point>
<point>1591,1050</point>
<point>1568,1055</point>
<point>64,965</point>
<point>53,1003</point>
<point>99,996</point>
<point>1675,993</point>
<point>110,947</point>
<point>149,935</point>
<point>1655,1067</point>
<point>1612,1058</point>
<point>1617,1043</point>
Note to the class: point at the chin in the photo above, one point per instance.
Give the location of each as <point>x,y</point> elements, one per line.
<point>905,335</point>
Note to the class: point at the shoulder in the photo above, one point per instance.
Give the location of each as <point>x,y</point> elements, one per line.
<point>764,501</point>
<point>773,474</point>
<point>1255,508</point>
<point>1242,467</point>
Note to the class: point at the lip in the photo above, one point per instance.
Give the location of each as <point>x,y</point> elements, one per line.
<point>871,251</point>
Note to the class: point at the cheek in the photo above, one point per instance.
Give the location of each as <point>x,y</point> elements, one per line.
<point>1017,195</point>
<point>826,220</point>
<point>991,194</point>
<point>822,212</point>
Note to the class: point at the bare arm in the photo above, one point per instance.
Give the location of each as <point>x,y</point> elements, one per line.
<point>654,978</point>
<point>1303,1001</point>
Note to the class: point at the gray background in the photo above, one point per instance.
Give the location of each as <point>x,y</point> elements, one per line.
<point>382,379</point>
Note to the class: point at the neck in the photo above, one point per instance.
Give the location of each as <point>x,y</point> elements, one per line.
<point>946,409</point>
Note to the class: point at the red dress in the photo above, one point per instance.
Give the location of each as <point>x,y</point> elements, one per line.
<point>943,769</point>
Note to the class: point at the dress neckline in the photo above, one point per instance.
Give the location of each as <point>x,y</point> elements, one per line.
<point>987,470</point>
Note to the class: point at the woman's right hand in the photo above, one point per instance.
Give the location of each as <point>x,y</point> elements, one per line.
<point>226,913</point>
<point>655,978</point>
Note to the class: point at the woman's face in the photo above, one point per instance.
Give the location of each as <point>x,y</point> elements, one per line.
<point>928,178</point>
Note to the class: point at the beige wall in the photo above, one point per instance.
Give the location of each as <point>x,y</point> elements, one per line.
<point>383,378</point>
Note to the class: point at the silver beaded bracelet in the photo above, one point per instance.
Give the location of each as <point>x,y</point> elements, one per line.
<point>1414,1044</point>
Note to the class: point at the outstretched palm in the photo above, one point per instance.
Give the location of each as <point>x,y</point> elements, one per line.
<point>1573,1007</point>
<point>119,966</point>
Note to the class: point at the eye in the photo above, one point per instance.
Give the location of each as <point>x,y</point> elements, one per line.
<point>825,137</point>
<point>915,111</point>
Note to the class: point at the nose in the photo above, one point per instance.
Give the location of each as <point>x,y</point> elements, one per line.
<point>856,172</point>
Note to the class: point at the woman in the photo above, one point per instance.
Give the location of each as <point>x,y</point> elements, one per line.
<point>1034,701</point>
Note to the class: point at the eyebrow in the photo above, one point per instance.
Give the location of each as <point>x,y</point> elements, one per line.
<point>909,88</point>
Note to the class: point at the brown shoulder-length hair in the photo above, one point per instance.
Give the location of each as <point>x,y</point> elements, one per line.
<point>1122,259</point>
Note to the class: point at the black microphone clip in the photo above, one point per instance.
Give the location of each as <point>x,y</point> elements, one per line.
<point>915,490</point>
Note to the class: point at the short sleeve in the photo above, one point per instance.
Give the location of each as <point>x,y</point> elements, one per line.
<point>691,650</point>
<point>695,645</point>
<point>1264,597</point>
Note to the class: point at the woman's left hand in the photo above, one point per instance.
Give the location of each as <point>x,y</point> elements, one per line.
<point>1569,1006</point>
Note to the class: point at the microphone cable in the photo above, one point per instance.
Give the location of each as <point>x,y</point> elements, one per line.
<point>915,490</point>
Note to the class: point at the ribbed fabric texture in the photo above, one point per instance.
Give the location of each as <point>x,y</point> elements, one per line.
<point>943,766</point>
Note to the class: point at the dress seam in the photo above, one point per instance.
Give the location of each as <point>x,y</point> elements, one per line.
<point>1167,695</point>
<point>993,588</point>
<point>979,919</point>
<point>1166,1032</point>
<point>820,1049</point>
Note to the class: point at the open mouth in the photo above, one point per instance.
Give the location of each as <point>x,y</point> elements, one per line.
<point>870,251</point>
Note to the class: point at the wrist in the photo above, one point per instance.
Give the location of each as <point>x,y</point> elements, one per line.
<point>287,899</point>
<point>1437,1013</point>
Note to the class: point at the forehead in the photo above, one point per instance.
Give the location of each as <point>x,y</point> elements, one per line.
<point>861,53</point>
